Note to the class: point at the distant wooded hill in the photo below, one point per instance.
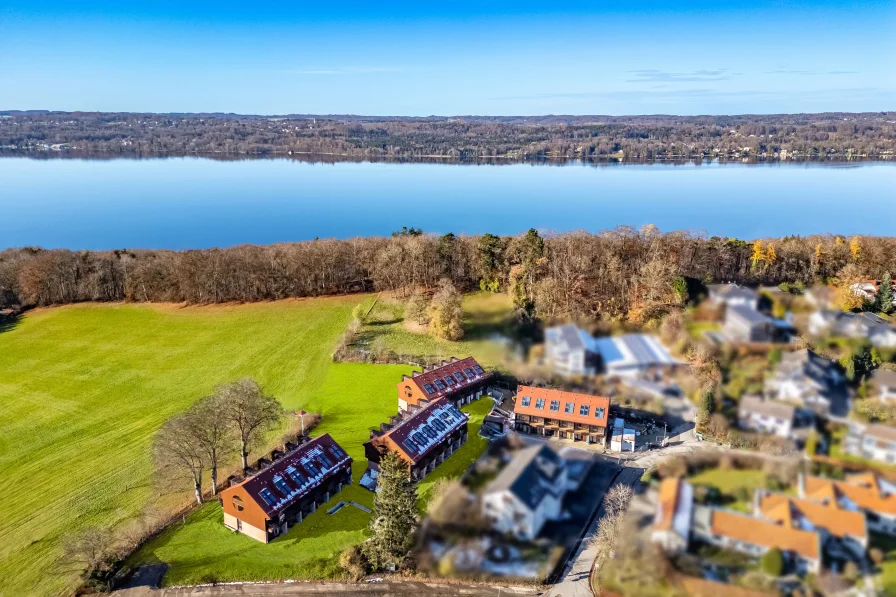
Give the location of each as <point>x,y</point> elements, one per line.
<point>835,135</point>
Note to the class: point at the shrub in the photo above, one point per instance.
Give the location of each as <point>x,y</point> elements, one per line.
<point>772,562</point>
<point>354,563</point>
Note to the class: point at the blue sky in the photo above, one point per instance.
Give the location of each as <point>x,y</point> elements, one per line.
<point>452,58</point>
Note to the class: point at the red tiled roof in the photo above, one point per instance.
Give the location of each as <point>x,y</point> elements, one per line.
<point>577,400</point>
<point>311,456</point>
<point>465,367</point>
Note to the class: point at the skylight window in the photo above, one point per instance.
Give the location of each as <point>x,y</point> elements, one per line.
<point>440,384</point>
<point>296,476</point>
<point>539,403</point>
<point>312,468</point>
<point>459,377</point>
<point>584,410</point>
<point>409,446</point>
<point>430,432</point>
<point>478,369</point>
<point>428,388</point>
<point>449,380</point>
<point>469,373</point>
<point>525,401</point>
<point>267,496</point>
<point>555,405</point>
<point>570,408</point>
<point>327,462</point>
<point>281,486</point>
<point>599,412</point>
<point>439,425</point>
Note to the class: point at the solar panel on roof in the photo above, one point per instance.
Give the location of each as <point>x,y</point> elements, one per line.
<point>267,496</point>
<point>281,486</point>
<point>438,425</point>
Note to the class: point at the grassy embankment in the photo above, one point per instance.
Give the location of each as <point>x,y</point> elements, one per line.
<point>84,388</point>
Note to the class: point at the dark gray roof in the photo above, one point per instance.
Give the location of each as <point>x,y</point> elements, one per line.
<point>530,475</point>
<point>568,336</point>
<point>751,316</point>
<point>772,408</point>
<point>731,291</point>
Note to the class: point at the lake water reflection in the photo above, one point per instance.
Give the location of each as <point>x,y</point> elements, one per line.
<point>195,202</point>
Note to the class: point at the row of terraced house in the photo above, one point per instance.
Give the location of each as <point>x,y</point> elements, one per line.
<point>427,428</point>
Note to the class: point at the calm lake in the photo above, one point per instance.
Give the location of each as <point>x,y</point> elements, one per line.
<point>194,202</point>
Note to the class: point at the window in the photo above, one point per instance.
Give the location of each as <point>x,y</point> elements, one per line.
<point>238,503</point>
<point>449,380</point>
<point>281,486</point>
<point>327,462</point>
<point>267,496</point>
<point>584,409</point>
<point>338,452</point>
<point>440,384</point>
<point>526,400</point>
<point>312,468</point>
<point>469,373</point>
<point>539,403</point>
<point>459,377</point>
<point>409,446</point>
<point>599,412</point>
<point>428,388</point>
<point>555,405</point>
<point>570,408</point>
<point>478,369</point>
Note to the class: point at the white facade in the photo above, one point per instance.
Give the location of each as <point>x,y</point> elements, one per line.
<point>507,514</point>
<point>766,423</point>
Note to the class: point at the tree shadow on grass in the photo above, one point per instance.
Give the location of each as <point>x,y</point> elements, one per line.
<point>9,322</point>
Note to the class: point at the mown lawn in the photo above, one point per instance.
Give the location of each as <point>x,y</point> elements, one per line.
<point>84,387</point>
<point>487,317</point>
<point>203,550</point>
<point>737,486</point>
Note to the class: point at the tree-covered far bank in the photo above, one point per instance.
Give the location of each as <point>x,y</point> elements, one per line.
<point>834,135</point>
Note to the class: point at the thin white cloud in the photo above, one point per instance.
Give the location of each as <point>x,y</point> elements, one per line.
<point>346,70</point>
<point>652,75</point>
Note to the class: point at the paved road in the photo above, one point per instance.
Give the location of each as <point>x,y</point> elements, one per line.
<point>575,580</point>
<point>382,589</point>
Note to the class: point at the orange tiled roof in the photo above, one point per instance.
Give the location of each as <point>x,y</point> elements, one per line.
<point>786,510</point>
<point>592,402</point>
<point>670,490</point>
<point>861,489</point>
<point>756,531</point>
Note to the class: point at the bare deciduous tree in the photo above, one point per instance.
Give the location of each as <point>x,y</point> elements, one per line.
<point>177,452</point>
<point>249,411</point>
<point>213,432</point>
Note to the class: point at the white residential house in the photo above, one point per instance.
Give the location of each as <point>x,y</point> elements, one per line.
<point>872,441</point>
<point>571,350</point>
<point>674,512</point>
<point>767,416</point>
<point>877,330</point>
<point>733,295</point>
<point>809,380</point>
<point>623,439</point>
<point>527,493</point>
<point>883,385</point>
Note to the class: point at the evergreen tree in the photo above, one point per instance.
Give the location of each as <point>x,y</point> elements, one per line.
<point>394,516</point>
<point>885,295</point>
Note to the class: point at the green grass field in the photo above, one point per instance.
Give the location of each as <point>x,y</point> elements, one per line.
<point>84,387</point>
<point>732,482</point>
<point>204,550</point>
<point>486,317</point>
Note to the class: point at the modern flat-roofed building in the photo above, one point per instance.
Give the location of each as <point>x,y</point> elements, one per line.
<point>280,495</point>
<point>458,380</point>
<point>635,355</point>
<point>565,415</point>
<point>423,436</point>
